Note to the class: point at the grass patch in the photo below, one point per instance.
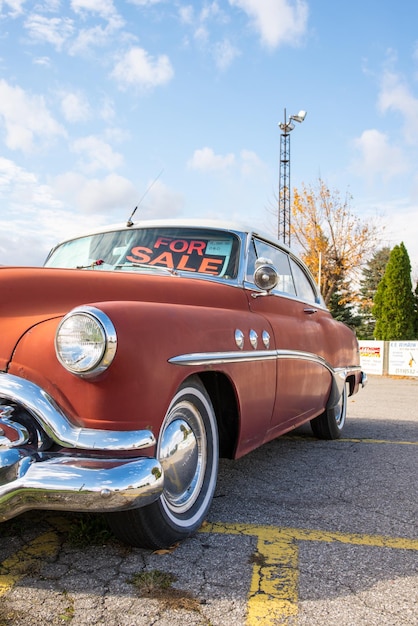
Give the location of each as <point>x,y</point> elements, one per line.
<point>89,530</point>
<point>158,585</point>
<point>68,613</point>
<point>155,581</point>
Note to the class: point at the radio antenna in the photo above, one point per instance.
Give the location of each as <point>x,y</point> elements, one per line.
<point>130,223</point>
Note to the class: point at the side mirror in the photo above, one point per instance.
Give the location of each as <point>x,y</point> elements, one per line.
<point>265,275</point>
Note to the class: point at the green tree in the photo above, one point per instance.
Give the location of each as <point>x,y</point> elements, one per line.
<point>416,310</point>
<point>394,303</point>
<point>343,310</point>
<point>372,274</point>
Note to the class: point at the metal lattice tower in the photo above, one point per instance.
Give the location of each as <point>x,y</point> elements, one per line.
<point>284,176</point>
<point>284,190</point>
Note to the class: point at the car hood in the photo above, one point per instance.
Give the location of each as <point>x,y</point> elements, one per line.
<point>32,295</point>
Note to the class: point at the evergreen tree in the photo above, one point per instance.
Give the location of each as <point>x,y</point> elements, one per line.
<point>371,276</point>
<point>416,310</point>
<point>344,311</point>
<point>394,303</point>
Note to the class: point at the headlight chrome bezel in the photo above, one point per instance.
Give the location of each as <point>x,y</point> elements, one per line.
<point>82,361</point>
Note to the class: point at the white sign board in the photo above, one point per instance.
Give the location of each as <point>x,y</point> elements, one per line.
<point>403,358</point>
<point>371,356</point>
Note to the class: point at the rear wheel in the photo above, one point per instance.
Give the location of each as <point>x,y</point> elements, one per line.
<point>188,451</point>
<point>330,424</point>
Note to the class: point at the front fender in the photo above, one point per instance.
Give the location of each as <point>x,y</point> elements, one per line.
<point>136,390</point>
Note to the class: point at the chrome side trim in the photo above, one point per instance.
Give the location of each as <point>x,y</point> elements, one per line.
<point>339,374</point>
<point>57,426</point>
<point>219,358</point>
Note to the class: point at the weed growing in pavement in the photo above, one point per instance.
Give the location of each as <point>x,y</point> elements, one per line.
<point>68,612</point>
<point>158,585</point>
<point>155,581</point>
<point>89,529</point>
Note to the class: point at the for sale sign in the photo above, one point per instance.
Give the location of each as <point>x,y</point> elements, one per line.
<point>371,357</point>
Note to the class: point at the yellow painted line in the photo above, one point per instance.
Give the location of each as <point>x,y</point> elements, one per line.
<point>354,440</point>
<point>379,441</point>
<point>21,563</point>
<point>273,595</point>
<point>273,533</point>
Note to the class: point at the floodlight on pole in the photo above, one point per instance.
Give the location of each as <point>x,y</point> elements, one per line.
<point>284,175</point>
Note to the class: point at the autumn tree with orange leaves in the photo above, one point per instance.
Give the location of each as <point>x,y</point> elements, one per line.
<point>333,242</point>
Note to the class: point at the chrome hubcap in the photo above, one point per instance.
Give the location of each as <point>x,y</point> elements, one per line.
<point>182,453</point>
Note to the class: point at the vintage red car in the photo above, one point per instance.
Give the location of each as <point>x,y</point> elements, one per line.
<point>140,354</point>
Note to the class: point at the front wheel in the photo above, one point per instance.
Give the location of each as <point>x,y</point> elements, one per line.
<point>330,424</point>
<point>188,451</point>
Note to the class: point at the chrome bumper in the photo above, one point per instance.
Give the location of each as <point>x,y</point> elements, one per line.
<point>32,477</point>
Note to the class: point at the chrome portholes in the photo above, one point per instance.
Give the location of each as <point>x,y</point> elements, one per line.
<point>253,339</point>
<point>239,338</point>
<point>266,339</point>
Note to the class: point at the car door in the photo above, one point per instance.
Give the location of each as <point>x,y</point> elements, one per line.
<point>303,383</point>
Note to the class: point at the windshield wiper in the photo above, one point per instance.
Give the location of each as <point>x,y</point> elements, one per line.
<point>145,266</point>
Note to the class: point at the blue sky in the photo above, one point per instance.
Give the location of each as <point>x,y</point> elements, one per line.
<point>101,99</point>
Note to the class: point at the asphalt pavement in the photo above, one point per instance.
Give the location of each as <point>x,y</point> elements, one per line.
<point>301,532</point>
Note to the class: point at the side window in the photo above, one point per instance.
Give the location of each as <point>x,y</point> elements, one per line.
<point>304,288</point>
<point>280,261</point>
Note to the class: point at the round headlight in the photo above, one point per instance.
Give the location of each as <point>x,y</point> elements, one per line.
<point>85,341</point>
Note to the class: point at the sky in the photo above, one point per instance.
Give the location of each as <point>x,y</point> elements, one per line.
<point>176,106</point>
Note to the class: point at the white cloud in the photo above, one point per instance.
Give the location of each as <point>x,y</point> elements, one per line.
<point>97,154</point>
<point>210,10</point>
<point>276,21</point>
<point>13,176</point>
<point>22,190</point>
<point>138,68</point>
<point>201,34</point>
<point>248,163</point>
<point>45,61</point>
<point>401,224</point>
<point>206,160</point>
<point>224,53</point>
<point>395,95</point>
<point>107,110</point>
<point>377,157</point>
<point>15,6</point>
<point>186,14</point>
<point>55,30</point>
<point>25,239</point>
<point>88,38</point>
<point>251,163</point>
<point>98,196</point>
<point>25,118</point>
<point>103,8</point>
<point>145,3</point>
<point>160,202</point>
<point>75,107</point>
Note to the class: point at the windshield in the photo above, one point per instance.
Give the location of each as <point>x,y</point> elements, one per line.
<point>203,251</point>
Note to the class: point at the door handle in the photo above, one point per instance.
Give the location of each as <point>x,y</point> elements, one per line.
<point>310,311</point>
